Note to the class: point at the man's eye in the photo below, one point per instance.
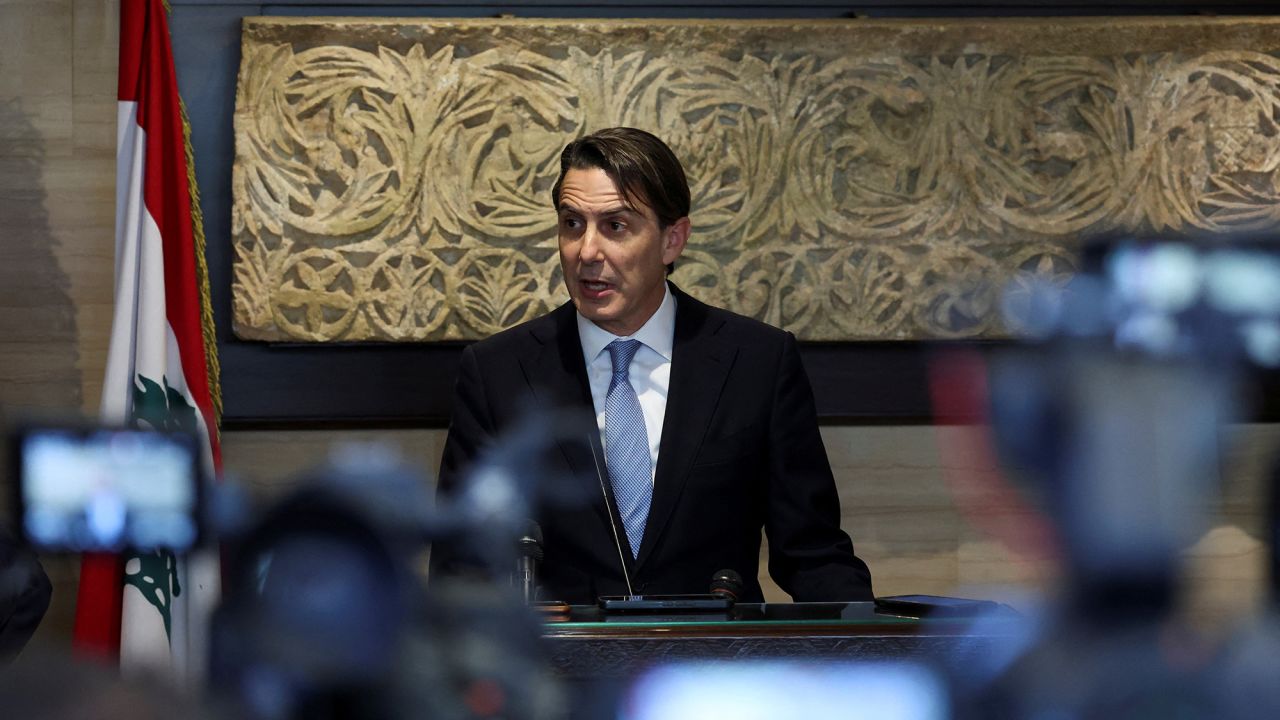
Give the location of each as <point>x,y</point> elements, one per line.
<point>616,226</point>
<point>569,222</point>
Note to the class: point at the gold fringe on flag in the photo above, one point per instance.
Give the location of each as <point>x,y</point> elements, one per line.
<point>202,274</point>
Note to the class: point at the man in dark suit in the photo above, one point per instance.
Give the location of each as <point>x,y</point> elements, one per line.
<point>707,431</point>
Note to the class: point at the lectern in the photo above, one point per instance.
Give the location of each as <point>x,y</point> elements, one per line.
<point>589,644</point>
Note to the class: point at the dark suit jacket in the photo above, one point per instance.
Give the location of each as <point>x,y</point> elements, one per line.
<point>24,595</point>
<point>740,451</point>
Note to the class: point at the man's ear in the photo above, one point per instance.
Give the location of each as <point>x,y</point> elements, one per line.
<point>674,239</point>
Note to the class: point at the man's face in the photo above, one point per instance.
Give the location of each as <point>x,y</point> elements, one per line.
<point>614,255</point>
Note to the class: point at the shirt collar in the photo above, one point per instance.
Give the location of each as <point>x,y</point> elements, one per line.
<point>658,333</point>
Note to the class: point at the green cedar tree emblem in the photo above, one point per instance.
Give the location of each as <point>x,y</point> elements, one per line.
<point>162,408</point>
<point>157,580</point>
<point>159,407</point>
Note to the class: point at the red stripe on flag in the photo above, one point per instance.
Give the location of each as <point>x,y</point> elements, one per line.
<point>133,21</point>
<point>167,194</point>
<point>98,604</point>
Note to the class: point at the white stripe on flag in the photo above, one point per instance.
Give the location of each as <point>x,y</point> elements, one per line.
<point>143,343</point>
<point>130,161</point>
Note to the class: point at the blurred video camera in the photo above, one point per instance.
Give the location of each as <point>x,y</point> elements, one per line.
<point>1113,411</point>
<point>102,489</point>
<point>326,609</point>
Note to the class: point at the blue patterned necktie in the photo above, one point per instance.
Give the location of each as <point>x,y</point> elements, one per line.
<point>627,445</point>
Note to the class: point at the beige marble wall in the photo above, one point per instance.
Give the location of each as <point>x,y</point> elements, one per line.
<point>915,501</point>
<point>57,199</point>
<point>57,206</point>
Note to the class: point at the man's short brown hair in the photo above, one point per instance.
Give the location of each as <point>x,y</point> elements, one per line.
<point>642,166</point>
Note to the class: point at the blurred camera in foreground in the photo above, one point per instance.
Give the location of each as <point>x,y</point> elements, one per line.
<point>100,489</point>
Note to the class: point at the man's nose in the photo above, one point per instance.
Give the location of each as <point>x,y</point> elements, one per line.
<point>590,251</point>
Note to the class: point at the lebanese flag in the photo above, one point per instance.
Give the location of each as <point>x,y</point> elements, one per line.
<point>151,611</point>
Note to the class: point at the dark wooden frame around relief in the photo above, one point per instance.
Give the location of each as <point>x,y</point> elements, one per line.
<point>303,385</point>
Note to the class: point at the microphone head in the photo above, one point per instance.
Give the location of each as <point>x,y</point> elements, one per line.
<point>530,543</point>
<point>727,583</point>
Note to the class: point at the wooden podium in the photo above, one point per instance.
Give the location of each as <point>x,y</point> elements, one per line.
<point>589,644</point>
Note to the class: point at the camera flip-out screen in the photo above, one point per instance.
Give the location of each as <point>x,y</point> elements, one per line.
<point>108,489</point>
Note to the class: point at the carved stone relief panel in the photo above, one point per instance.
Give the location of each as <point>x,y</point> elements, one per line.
<point>851,179</point>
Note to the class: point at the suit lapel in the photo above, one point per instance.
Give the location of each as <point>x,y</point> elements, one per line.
<point>700,363</point>
<point>557,375</point>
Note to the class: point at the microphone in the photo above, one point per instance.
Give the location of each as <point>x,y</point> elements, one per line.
<point>613,525</point>
<point>726,584</point>
<point>530,548</point>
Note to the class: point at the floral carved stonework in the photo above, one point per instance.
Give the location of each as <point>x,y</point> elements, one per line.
<point>851,179</point>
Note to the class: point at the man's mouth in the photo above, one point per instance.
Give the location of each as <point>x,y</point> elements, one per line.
<point>595,288</point>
